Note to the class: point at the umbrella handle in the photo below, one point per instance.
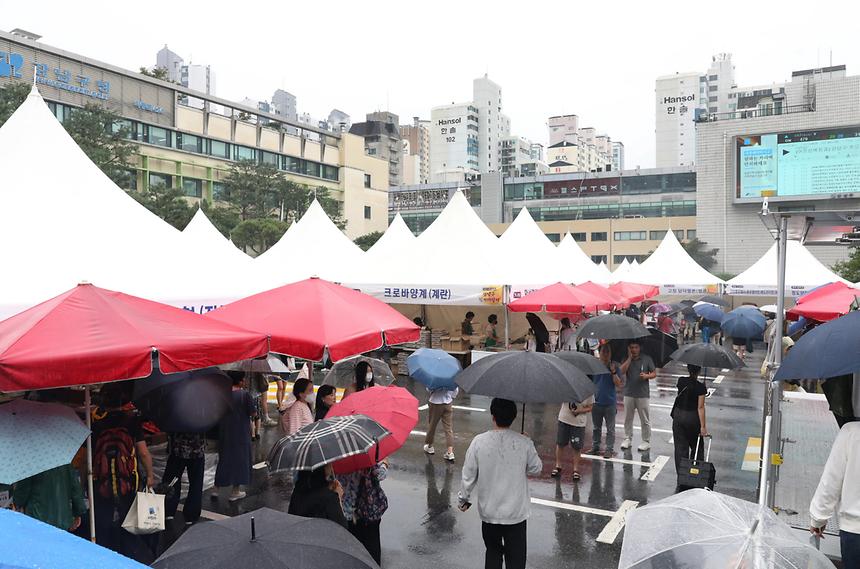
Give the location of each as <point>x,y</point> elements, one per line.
<point>253,529</point>
<point>376,444</point>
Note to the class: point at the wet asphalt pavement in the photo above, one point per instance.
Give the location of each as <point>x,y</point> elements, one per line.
<point>573,525</point>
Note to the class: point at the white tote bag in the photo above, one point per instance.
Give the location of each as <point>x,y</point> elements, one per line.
<point>146,515</point>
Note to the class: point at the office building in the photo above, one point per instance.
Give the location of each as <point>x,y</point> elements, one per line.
<point>796,144</point>
<point>171,62</point>
<point>381,133</point>
<point>284,104</point>
<point>617,156</point>
<point>417,135</point>
<point>192,149</point>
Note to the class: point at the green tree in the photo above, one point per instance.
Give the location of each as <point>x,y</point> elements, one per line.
<point>698,250</point>
<point>367,240</point>
<point>223,217</point>
<point>850,268</point>
<point>258,234</point>
<point>297,198</point>
<point>252,189</point>
<point>105,139</point>
<point>156,73</point>
<point>167,203</point>
<point>11,97</point>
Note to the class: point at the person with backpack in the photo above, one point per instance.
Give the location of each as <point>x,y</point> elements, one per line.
<point>119,449</point>
<point>364,502</point>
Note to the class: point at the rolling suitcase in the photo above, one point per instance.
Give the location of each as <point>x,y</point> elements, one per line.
<point>693,473</point>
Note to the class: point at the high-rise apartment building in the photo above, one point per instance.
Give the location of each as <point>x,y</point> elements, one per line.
<point>284,104</point>
<point>575,149</point>
<point>196,77</point>
<point>381,132</point>
<point>417,135</point>
<point>617,156</point>
<point>492,124</point>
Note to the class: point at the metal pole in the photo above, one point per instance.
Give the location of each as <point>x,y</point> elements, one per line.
<point>505,298</point>
<point>771,444</point>
<point>765,461</point>
<point>90,495</point>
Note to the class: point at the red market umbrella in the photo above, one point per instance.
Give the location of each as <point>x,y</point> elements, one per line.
<point>825,303</point>
<point>632,292</point>
<point>304,319</point>
<point>92,335</point>
<point>562,297</point>
<point>392,407</point>
<point>599,290</point>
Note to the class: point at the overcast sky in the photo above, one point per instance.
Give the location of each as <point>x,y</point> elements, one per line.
<point>595,59</point>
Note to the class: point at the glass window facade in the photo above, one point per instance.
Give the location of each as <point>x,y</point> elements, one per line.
<point>158,136</point>
<point>599,236</point>
<point>189,142</point>
<point>579,237</point>
<point>244,153</point>
<point>219,149</point>
<point>367,212</point>
<point>618,259</point>
<point>554,237</point>
<point>164,180</point>
<point>630,235</point>
<point>598,259</point>
<point>219,191</point>
<point>192,187</point>
<point>657,235</point>
<point>691,234</point>
<point>418,222</point>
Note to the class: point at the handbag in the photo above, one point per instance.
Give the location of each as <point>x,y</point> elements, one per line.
<point>695,473</point>
<point>370,501</point>
<point>146,514</point>
<point>675,404</point>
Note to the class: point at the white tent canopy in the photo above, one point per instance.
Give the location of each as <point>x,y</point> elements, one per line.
<point>672,269</point>
<point>621,271</point>
<point>397,240</point>
<point>532,259</point>
<point>70,223</point>
<point>606,274</point>
<point>205,238</point>
<point>576,267</point>
<point>803,272</point>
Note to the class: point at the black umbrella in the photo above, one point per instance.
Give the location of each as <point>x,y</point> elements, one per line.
<point>185,402</point>
<point>611,327</point>
<point>657,344</point>
<point>709,298</point>
<point>586,363</point>
<point>526,377</point>
<point>266,539</point>
<point>325,441</point>
<point>540,330</point>
<point>708,355</point>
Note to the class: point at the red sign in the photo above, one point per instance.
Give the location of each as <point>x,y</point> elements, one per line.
<point>581,188</point>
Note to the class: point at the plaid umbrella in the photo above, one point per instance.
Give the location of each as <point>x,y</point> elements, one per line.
<point>325,441</point>
<point>35,437</point>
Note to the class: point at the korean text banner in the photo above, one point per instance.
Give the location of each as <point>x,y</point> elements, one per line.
<point>463,295</point>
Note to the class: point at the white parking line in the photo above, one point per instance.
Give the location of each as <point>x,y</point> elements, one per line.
<point>460,407</point>
<point>618,460</point>
<point>719,379</point>
<point>616,523</point>
<point>662,405</point>
<point>725,370</point>
<point>260,465</point>
<point>419,433</point>
<point>574,507</point>
<point>424,407</point>
<point>638,428</point>
<point>655,469</point>
<point>661,388</point>
<point>214,516</point>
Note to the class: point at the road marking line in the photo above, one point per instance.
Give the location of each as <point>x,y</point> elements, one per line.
<point>752,455</point>
<point>424,407</point>
<point>804,395</point>
<point>638,428</point>
<point>662,405</point>
<point>214,516</point>
<point>719,379</point>
<point>726,370</point>
<point>618,460</point>
<point>574,507</point>
<point>710,392</point>
<point>461,408</point>
<point>260,465</point>
<point>616,523</point>
<point>661,388</point>
<point>419,433</point>
<point>655,469</point>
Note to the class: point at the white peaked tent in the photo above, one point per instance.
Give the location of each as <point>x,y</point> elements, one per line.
<point>397,240</point>
<point>672,269</point>
<point>630,275</point>
<point>605,273</point>
<point>312,247</point>
<point>211,243</point>
<point>68,223</point>
<point>803,272</point>
<point>621,271</point>
<point>532,259</point>
<point>575,266</point>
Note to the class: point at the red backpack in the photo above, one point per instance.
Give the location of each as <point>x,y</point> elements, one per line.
<point>115,464</point>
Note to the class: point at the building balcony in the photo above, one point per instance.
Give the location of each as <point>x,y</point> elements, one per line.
<point>768,111</point>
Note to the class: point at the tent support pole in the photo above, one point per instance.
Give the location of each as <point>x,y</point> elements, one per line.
<point>505,300</point>
<point>523,421</point>
<point>90,495</point>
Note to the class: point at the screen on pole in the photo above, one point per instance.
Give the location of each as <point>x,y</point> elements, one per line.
<point>817,163</point>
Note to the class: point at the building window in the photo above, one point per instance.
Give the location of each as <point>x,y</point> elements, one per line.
<point>244,153</point>
<point>691,234</point>
<point>371,152</point>
<point>712,88</point>
<point>219,149</point>
<point>578,237</point>
<point>597,259</point>
<point>292,164</point>
<point>160,180</point>
<point>679,233</point>
<point>192,187</point>
<point>367,180</point>
<point>189,142</point>
<point>329,172</point>
<point>712,99</point>
<point>219,191</point>
<point>630,235</point>
<point>554,237</point>
<point>657,235</point>
<point>159,136</point>
<point>367,212</point>
<point>269,158</point>
<point>598,236</point>
<point>712,77</point>
<point>311,169</point>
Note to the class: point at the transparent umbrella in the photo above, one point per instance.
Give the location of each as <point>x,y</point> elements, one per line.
<point>708,530</point>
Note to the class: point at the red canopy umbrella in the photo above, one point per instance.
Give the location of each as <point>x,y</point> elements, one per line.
<point>599,290</point>
<point>91,335</point>
<point>304,318</point>
<point>562,297</point>
<point>632,292</point>
<point>825,303</point>
<point>392,407</point>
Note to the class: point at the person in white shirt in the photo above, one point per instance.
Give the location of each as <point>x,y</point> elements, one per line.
<point>567,336</point>
<point>839,487</point>
<point>497,465</point>
<point>441,407</point>
<point>572,420</point>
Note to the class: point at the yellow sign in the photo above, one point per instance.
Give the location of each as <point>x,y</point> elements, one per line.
<point>492,295</point>
<point>776,459</point>
<point>694,471</point>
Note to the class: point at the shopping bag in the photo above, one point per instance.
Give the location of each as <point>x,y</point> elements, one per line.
<point>694,473</point>
<point>146,514</point>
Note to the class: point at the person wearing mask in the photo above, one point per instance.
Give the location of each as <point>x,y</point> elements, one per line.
<point>638,370</point>
<point>688,417</point>
<point>326,396</point>
<point>567,336</point>
<point>491,337</point>
<point>496,470</point>
<point>364,502</point>
<point>119,449</point>
<point>54,497</point>
<point>297,411</point>
<point>605,402</point>
<point>317,494</point>
<point>839,492</point>
<point>185,452</point>
<point>234,443</point>
<point>572,420</point>
<point>441,406</point>
<point>363,378</point>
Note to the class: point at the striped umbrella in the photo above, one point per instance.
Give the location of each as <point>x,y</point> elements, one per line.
<point>324,442</point>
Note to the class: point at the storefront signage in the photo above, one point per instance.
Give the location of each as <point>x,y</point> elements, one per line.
<point>419,199</point>
<point>579,188</point>
<point>148,107</point>
<point>63,79</point>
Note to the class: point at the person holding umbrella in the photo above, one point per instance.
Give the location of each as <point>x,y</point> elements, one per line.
<point>605,401</point>
<point>639,369</point>
<point>54,497</point>
<point>185,452</point>
<point>441,407</point>
<point>688,417</point>
<point>234,442</point>
<point>436,370</point>
<point>318,494</point>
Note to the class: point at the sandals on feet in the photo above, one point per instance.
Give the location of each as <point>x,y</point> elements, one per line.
<point>576,475</point>
<point>556,472</point>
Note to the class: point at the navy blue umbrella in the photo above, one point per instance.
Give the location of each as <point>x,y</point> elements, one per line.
<point>436,369</point>
<point>709,311</point>
<point>829,350</point>
<point>744,322</point>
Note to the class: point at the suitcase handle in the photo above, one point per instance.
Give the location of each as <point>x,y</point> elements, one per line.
<point>707,451</point>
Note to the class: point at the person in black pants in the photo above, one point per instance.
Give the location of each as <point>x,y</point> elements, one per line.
<point>185,452</point>
<point>688,416</point>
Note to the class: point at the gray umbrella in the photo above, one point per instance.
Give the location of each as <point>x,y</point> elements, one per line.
<point>612,327</point>
<point>266,539</point>
<point>710,298</point>
<point>342,374</point>
<point>586,363</point>
<point>707,355</point>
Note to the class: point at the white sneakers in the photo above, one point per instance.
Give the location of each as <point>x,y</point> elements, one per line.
<point>449,456</point>
<point>429,450</point>
<point>626,444</point>
<point>237,495</point>
<point>641,448</point>
<point>644,447</point>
